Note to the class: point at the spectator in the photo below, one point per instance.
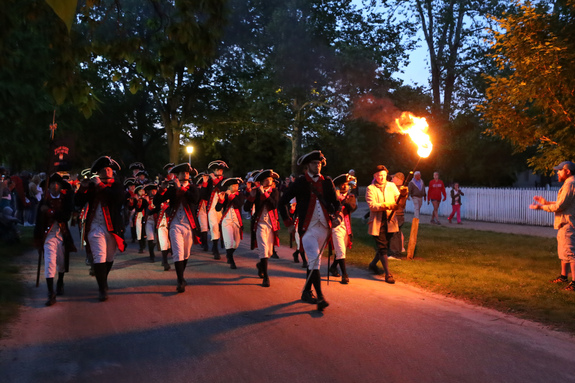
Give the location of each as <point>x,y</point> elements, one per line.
<point>456,194</point>
<point>416,190</point>
<point>564,209</point>
<point>35,196</point>
<point>436,190</point>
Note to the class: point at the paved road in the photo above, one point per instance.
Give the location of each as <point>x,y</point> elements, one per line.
<point>227,328</point>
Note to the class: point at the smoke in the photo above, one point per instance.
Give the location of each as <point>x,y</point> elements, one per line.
<point>380,111</point>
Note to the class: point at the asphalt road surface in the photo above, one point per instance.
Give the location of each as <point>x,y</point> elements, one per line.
<point>226,327</point>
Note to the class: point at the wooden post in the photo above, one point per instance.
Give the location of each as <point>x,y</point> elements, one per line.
<point>412,238</point>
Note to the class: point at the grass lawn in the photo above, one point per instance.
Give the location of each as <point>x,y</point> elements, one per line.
<point>506,272</point>
<point>11,289</point>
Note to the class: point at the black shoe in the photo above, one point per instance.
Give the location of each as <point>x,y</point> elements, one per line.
<point>308,297</point>
<point>321,304</point>
<point>376,270</point>
<point>389,279</point>
<point>333,271</point>
<point>296,256</point>
<point>304,265</point>
<point>152,259</point>
<point>260,270</point>
<point>166,266</point>
<point>103,296</point>
<point>91,272</point>
<point>570,286</point>
<point>51,300</point>
<point>344,279</point>
<point>60,288</point>
<point>560,279</point>
<point>181,287</point>
<point>266,282</point>
<point>275,255</point>
<point>233,265</point>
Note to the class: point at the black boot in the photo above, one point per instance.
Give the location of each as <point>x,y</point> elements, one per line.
<point>316,279</point>
<point>264,266</point>
<point>134,234</point>
<point>215,250</point>
<point>274,254</point>
<point>165,260</point>
<point>179,266</point>
<point>259,266</point>
<point>344,277</point>
<point>60,284</point>
<point>307,295</point>
<point>101,272</point>
<point>230,257</point>
<point>296,256</point>
<point>142,246</point>
<point>303,259</point>
<point>151,246</point>
<point>333,269</point>
<point>51,295</point>
<point>204,238</point>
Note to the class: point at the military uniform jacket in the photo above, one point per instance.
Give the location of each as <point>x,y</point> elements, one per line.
<point>60,211</point>
<point>186,196</point>
<point>305,190</point>
<point>234,203</point>
<point>260,201</point>
<point>110,198</point>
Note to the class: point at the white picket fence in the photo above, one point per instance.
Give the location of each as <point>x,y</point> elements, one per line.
<point>495,205</point>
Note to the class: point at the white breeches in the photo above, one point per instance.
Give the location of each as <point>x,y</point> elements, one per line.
<point>181,240</point>
<point>102,244</point>
<point>231,233</point>
<point>53,253</point>
<point>214,217</point>
<point>139,226</point>
<point>313,240</point>
<point>203,218</point>
<point>340,240</point>
<point>150,228</point>
<point>265,237</point>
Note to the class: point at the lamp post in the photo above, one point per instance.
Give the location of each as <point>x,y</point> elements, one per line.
<point>190,150</point>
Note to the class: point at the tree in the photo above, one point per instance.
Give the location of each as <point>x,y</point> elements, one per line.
<point>531,101</point>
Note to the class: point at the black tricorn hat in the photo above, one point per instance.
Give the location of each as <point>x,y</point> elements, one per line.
<point>168,166</point>
<point>265,174</point>
<point>86,173</point>
<point>231,181</point>
<point>316,155</point>
<point>142,173</point>
<point>139,187</point>
<point>136,165</point>
<point>343,178</point>
<point>129,181</point>
<point>149,187</point>
<point>218,164</point>
<point>104,162</point>
<point>184,167</point>
<point>379,168</point>
<point>55,177</point>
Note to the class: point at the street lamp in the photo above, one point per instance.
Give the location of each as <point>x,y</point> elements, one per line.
<point>190,150</point>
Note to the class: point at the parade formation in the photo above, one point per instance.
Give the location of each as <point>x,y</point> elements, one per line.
<point>189,207</point>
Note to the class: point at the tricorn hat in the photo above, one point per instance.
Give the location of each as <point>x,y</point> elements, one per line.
<point>379,168</point>
<point>136,165</point>
<point>231,181</point>
<point>129,181</point>
<point>86,173</point>
<point>343,178</point>
<point>265,174</point>
<point>104,162</point>
<point>168,166</point>
<point>217,164</point>
<point>55,177</point>
<point>316,155</point>
<point>149,187</point>
<point>142,173</point>
<point>184,167</point>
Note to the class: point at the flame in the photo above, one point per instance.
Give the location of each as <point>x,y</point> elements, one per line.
<point>416,127</point>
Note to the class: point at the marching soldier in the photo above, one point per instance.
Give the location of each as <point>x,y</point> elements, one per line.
<point>264,223</point>
<point>183,197</point>
<point>229,204</point>
<point>104,224</point>
<point>316,206</point>
<point>215,217</point>
<point>150,218</point>
<point>203,181</point>
<point>130,205</point>
<point>140,206</point>
<point>52,234</point>
<point>135,168</point>
<point>341,235</point>
<point>162,221</point>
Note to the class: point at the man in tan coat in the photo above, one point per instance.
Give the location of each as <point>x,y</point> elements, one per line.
<point>381,197</point>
